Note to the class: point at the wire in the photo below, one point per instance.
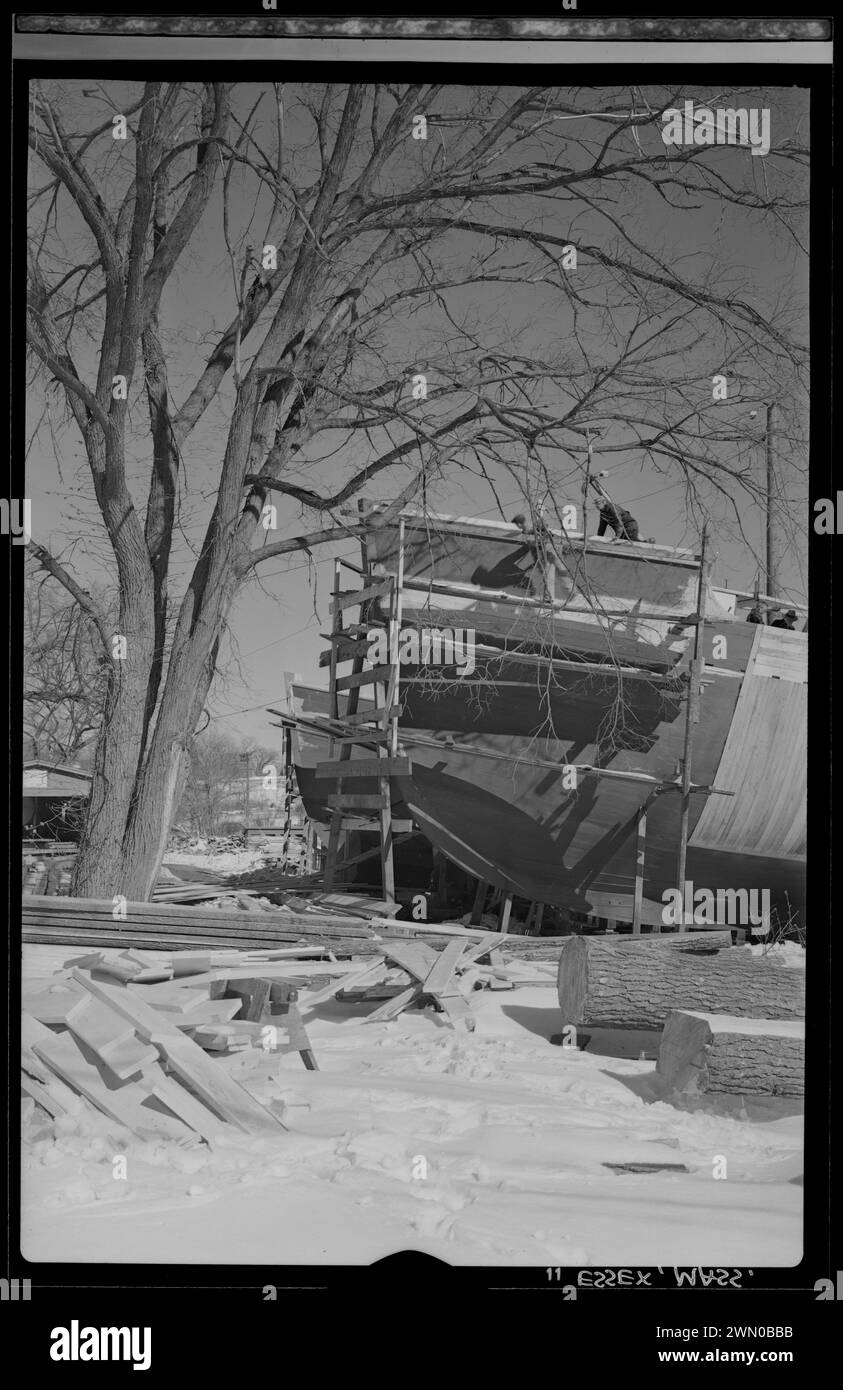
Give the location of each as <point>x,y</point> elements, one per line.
<point>283,638</point>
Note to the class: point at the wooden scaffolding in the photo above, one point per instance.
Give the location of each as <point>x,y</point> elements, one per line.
<point>377,723</point>
<point>377,726</point>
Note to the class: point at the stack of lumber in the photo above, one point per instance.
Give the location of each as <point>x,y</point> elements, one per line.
<point>160,926</point>
<point>131,1034</point>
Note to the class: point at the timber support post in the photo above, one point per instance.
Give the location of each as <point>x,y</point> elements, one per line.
<point>692,714</point>
<point>640,848</point>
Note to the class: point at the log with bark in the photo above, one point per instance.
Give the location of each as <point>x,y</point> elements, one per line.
<point>703,1052</point>
<point>605,985</point>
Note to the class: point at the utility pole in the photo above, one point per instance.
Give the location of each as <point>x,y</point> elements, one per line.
<point>587,481</point>
<point>770,451</point>
<point>246,758</point>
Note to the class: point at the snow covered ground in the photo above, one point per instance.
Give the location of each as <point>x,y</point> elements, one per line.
<point>481,1149</point>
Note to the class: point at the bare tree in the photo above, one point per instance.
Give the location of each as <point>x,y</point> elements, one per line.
<point>214,789</point>
<point>364,327</point>
<point>65,673</point>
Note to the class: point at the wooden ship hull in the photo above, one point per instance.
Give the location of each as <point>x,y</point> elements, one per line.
<point>557,684</point>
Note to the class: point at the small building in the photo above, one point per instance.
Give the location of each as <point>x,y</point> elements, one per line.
<point>54,799</point>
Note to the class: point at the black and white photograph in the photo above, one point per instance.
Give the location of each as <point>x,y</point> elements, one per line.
<point>414,511</point>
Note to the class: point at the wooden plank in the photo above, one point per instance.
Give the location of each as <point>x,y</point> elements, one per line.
<point>413,956</point>
<point>45,1096</point>
<point>279,970</point>
<point>115,969</point>
<point>357,903</point>
<point>369,716</point>
<point>457,1009</point>
<point>111,1037</point>
<point>173,999</point>
<point>367,975</point>
<point>51,1006</point>
<point>370,824</point>
<point>560,607</point>
<point>211,1083</point>
<point>211,1011</point>
<point>376,675</point>
<point>479,901</point>
<point>640,852</point>
<point>346,650</point>
<point>350,598</point>
<point>480,948</point>
<point>122,1102</point>
<point>506,909</point>
<point>254,996</point>
<point>364,767</point>
<point>348,801</point>
<point>441,972</point>
<point>616,907</point>
<point>425,523</point>
<point>393,1007</point>
<point>367,736</point>
<point>155,1082</point>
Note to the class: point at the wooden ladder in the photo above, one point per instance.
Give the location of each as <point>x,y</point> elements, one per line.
<point>379,725</point>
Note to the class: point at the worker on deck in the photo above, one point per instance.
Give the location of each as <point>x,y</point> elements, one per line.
<point>621,521</point>
<point>788,620</point>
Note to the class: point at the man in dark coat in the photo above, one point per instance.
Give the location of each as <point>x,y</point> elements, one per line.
<point>788,620</point>
<point>621,521</point>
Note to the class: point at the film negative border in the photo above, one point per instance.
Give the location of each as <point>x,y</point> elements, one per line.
<point>713,29</point>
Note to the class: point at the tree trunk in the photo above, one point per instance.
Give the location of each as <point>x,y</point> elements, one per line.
<point>99,862</point>
<point>702,1052</point>
<point>608,986</point>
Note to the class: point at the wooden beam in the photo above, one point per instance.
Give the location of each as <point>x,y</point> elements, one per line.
<point>572,541</point>
<point>364,767</point>
<point>479,902</point>
<point>348,598</point>
<point>375,676</point>
<point>555,608</point>
<point>692,714</point>
<point>640,847</point>
<point>506,909</point>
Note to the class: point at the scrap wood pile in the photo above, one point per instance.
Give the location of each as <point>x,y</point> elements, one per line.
<point>730,1021</point>
<point>131,1033</point>
<point>411,973</point>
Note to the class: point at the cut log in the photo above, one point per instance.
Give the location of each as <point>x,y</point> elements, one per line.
<point>702,1052</point>
<point>608,986</point>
